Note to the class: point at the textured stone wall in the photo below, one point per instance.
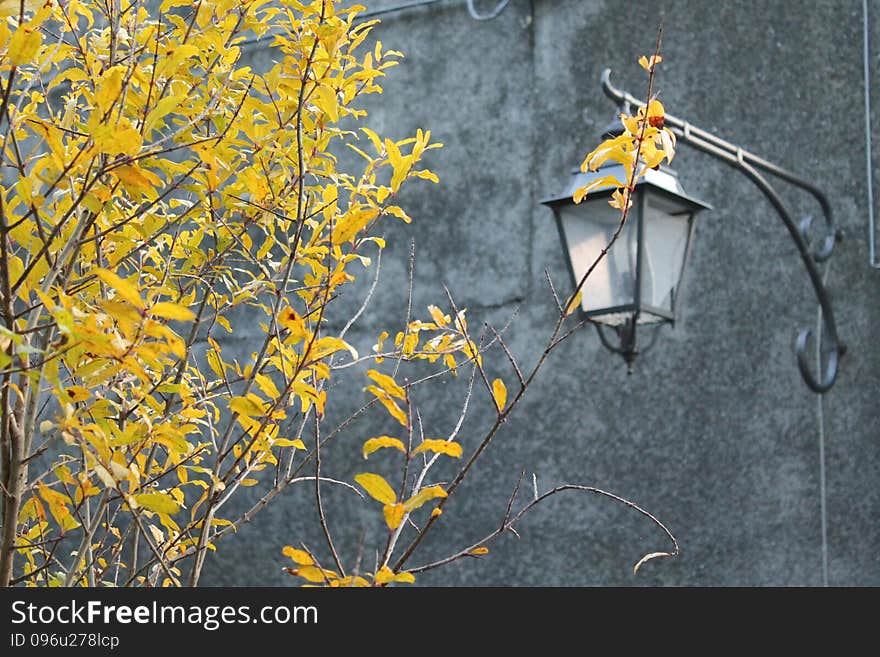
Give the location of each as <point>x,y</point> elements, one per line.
<point>714,433</point>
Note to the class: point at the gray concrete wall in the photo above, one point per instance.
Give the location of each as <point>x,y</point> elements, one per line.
<point>714,433</point>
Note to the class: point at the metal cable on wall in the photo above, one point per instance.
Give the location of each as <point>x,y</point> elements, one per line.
<point>866,60</point>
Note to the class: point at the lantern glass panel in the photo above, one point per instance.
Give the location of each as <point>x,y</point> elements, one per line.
<point>588,228</point>
<point>666,232</point>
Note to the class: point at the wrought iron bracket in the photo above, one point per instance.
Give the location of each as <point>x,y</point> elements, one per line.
<point>755,168</point>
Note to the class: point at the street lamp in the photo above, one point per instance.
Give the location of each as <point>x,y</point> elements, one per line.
<point>639,280</point>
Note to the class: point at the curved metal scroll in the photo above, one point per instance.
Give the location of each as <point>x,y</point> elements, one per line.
<point>749,164</point>
<point>629,346</point>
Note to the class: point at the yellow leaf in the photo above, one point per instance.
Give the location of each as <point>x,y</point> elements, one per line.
<point>377,487</point>
<point>649,64</point>
<point>387,384</point>
<point>438,446</point>
<point>136,179</point>
<point>393,515</point>
<point>162,108</point>
<point>436,512</point>
<point>655,110</point>
<point>330,345</point>
<point>390,405</point>
<point>425,495</point>
<point>386,575</point>
<point>499,392</point>
<point>121,139</point>
<point>574,303</point>
<point>599,183</point>
<point>327,102</point>
<point>377,143</point>
<point>249,482</point>
<point>109,86</point>
<point>13,7</point>
<point>123,288</point>
<point>286,442</point>
<point>249,406</point>
<point>172,311</point>
<point>267,386</point>
<point>314,574</point>
<point>24,45</point>
<point>437,315</point>
<point>373,444</point>
<point>479,550</point>
<point>76,394</point>
<point>352,222</point>
<point>290,319</point>
<point>300,557</point>
<point>215,362</point>
<point>158,502</point>
<point>31,509</point>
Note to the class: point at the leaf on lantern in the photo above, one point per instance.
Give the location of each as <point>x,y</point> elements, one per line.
<point>387,384</point>
<point>393,515</point>
<point>574,302</point>
<point>667,138</point>
<point>123,288</point>
<point>619,198</point>
<point>381,442</point>
<point>158,502</point>
<point>174,311</point>
<point>655,111</point>
<point>599,183</point>
<point>499,393</point>
<point>424,495</point>
<point>649,64</point>
<point>617,149</point>
<point>438,446</point>
<point>24,45</point>
<point>377,487</point>
<point>300,557</point>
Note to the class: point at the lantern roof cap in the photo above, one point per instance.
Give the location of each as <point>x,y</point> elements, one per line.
<point>663,178</point>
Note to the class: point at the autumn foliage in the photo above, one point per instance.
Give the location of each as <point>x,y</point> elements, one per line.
<point>154,189</point>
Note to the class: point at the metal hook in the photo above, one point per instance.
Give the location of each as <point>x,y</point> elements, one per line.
<point>832,355</point>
